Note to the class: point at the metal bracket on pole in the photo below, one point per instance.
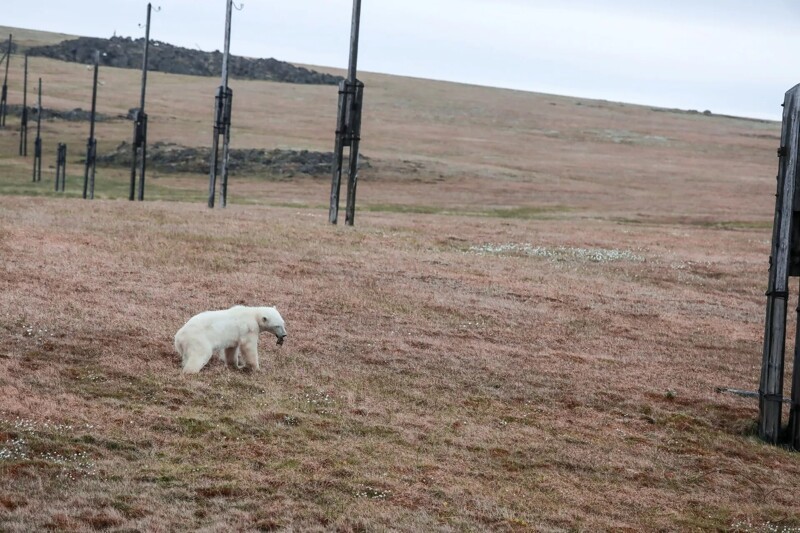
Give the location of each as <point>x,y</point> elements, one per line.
<point>348,134</point>
<point>61,167</point>
<point>223,103</point>
<point>139,146</point>
<point>89,169</point>
<point>354,131</point>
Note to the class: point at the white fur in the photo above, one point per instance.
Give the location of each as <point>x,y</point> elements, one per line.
<point>232,331</point>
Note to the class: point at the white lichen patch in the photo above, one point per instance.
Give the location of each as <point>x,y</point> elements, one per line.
<point>747,526</point>
<point>372,493</point>
<point>627,137</point>
<point>71,466</point>
<point>319,402</point>
<point>558,253</point>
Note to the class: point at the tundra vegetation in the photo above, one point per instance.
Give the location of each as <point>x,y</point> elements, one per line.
<point>524,331</point>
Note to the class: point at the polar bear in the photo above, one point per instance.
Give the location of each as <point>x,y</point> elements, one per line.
<point>230,331</point>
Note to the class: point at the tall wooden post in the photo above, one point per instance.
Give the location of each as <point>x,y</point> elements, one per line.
<point>23,129</point>
<point>784,261</point>
<point>4,92</point>
<point>140,124</point>
<point>91,145</point>
<point>37,144</point>
<point>222,122</point>
<point>348,128</point>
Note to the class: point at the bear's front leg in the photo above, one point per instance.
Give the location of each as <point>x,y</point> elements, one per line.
<point>249,350</point>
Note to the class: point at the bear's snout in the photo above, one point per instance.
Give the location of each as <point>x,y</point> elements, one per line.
<point>280,340</point>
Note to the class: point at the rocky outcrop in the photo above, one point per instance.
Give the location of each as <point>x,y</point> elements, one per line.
<point>169,157</point>
<point>124,52</point>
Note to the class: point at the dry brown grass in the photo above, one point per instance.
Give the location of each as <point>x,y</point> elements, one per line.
<point>534,346</point>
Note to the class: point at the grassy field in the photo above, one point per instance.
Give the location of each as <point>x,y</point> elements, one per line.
<point>524,331</point>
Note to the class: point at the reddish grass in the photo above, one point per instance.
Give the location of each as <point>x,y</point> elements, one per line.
<point>428,382</point>
<point>423,386</point>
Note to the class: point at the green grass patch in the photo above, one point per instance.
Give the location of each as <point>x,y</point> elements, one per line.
<point>731,225</point>
<point>194,427</point>
<point>522,212</point>
<point>526,213</point>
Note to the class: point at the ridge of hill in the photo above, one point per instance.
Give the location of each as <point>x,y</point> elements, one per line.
<point>125,52</point>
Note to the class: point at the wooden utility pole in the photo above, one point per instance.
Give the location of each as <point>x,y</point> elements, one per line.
<point>784,262</point>
<point>222,122</point>
<point>23,128</point>
<point>348,128</point>
<point>4,92</point>
<point>91,144</point>
<point>140,124</point>
<point>37,144</point>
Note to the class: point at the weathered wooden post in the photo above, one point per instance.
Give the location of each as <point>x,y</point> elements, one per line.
<point>140,124</point>
<point>61,167</point>
<point>91,145</point>
<point>348,128</point>
<point>37,144</point>
<point>23,128</point>
<point>222,122</point>
<point>784,262</point>
<point>4,92</point>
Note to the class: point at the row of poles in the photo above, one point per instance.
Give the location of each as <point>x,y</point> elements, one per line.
<point>348,127</point>
<point>91,149</point>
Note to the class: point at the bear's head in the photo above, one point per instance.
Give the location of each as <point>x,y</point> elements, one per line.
<point>269,319</point>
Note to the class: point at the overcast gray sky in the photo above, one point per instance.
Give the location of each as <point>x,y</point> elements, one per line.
<point>728,56</point>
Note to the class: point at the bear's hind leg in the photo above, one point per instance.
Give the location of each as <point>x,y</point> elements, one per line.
<point>232,356</point>
<point>195,358</point>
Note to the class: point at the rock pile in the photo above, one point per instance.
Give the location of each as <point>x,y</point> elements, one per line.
<point>74,115</point>
<point>124,52</point>
<point>169,157</point>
